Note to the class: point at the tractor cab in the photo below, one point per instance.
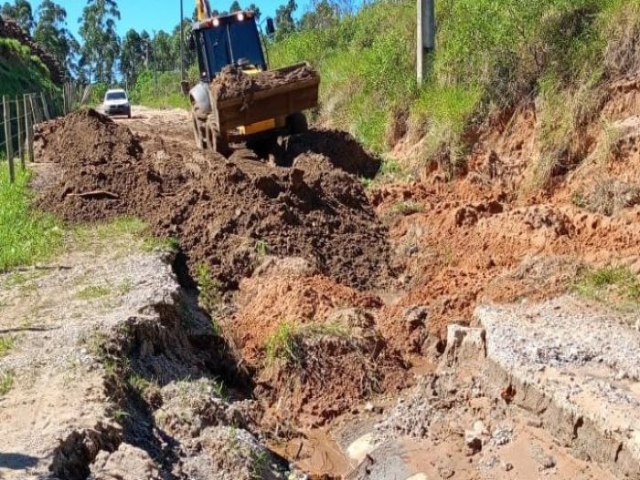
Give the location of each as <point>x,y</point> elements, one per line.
<point>228,40</point>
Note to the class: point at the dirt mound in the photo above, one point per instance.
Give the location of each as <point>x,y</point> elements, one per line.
<point>267,301</point>
<point>226,214</point>
<point>233,82</point>
<point>342,150</point>
<point>102,173</point>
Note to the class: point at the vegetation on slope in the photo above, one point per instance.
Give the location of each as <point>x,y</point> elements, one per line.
<point>491,56</point>
<point>20,70</point>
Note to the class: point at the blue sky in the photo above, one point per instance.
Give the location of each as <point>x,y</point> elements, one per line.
<point>156,15</point>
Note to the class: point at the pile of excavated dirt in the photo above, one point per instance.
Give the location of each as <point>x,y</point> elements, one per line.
<point>226,214</point>
<point>233,82</point>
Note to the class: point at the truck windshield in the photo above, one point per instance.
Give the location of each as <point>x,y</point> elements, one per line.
<point>245,45</point>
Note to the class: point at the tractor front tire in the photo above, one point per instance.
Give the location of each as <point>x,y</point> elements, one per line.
<point>198,133</point>
<point>297,123</point>
<point>216,141</point>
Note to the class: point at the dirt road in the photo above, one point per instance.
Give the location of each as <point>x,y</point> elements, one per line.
<point>329,310</point>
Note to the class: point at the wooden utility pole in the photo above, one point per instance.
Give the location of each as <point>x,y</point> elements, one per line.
<point>426,36</point>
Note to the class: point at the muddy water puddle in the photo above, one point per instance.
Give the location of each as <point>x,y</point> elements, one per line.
<point>317,453</point>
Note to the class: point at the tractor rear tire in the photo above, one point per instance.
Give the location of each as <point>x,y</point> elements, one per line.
<point>297,123</point>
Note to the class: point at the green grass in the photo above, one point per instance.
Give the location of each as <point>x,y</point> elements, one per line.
<point>6,344</point>
<point>6,382</point>
<point>282,344</point>
<point>286,342</point>
<point>93,292</point>
<point>406,208</point>
<point>159,90</point>
<point>614,285</point>
<point>210,290</point>
<point>121,228</point>
<point>262,248</point>
<point>27,236</point>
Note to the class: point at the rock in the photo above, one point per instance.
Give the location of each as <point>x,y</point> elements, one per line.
<point>473,438</point>
<point>535,423</point>
<point>416,317</point>
<point>502,435</point>
<point>508,466</point>
<point>464,344</point>
<point>446,472</point>
<point>126,463</point>
<point>473,441</point>
<point>545,460</point>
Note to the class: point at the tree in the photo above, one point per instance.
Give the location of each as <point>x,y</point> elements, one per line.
<point>284,19</point>
<point>133,54</point>
<point>235,7</point>
<point>20,12</point>
<point>101,46</point>
<point>189,55</point>
<point>255,10</point>
<point>323,15</point>
<point>52,34</point>
<point>163,53</point>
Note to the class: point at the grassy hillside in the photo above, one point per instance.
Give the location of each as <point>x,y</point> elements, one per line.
<point>491,56</point>
<point>20,70</point>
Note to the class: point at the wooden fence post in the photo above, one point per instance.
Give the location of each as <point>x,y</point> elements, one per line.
<point>27,128</point>
<point>65,101</point>
<point>36,112</point>
<point>45,107</point>
<point>6,108</point>
<point>28,122</point>
<point>20,136</point>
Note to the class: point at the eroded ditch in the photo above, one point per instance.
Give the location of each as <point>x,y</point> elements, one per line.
<point>298,241</point>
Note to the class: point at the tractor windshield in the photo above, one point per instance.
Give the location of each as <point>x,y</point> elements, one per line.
<point>231,43</point>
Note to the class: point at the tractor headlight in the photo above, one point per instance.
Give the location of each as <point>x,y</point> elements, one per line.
<point>240,16</point>
<point>216,22</point>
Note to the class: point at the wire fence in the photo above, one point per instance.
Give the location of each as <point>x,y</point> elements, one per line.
<point>22,113</point>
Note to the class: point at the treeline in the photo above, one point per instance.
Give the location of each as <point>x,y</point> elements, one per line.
<point>101,55</point>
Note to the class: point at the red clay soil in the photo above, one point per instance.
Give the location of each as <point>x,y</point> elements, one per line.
<point>339,358</point>
<point>490,236</point>
<point>224,213</point>
<point>264,303</point>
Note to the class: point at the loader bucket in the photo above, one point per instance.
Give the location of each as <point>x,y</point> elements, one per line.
<point>274,102</point>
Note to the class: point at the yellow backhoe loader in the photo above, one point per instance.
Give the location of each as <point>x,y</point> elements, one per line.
<point>234,40</point>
